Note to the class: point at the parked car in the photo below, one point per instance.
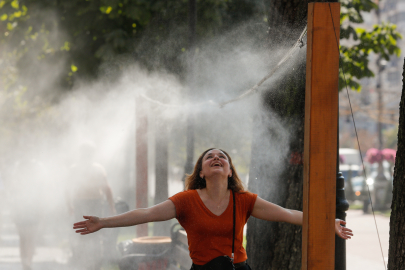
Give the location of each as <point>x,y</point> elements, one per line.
<point>366,188</point>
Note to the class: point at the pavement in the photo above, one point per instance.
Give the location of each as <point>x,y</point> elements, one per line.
<point>362,251</point>
<point>47,255</point>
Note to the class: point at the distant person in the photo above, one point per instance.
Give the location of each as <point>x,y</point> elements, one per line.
<point>88,191</point>
<point>27,201</point>
<point>205,210</point>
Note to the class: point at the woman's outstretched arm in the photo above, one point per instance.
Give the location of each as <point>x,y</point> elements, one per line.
<point>273,212</point>
<point>160,212</point>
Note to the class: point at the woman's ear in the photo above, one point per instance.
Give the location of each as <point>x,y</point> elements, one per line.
<point>201,175</point>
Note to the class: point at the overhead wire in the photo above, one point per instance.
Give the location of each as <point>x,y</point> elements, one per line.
<point>357,137</point>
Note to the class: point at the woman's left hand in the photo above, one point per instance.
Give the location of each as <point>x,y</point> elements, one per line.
<point>342,231</point>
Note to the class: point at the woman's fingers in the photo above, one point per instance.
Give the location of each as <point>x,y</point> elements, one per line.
<point>90,225</point>
<point>79,223</point>
<point>346,233</point>
<point>347,230</point>
<point>342,231</point>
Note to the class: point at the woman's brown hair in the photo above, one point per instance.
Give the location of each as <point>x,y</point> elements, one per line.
<point>194,181</point>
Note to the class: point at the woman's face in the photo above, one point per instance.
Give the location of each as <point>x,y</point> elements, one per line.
<point>215,162</point>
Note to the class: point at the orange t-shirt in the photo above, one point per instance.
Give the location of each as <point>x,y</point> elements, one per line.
<point>210,236</point>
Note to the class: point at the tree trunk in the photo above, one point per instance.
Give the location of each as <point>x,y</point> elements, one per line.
<point>396,258</point>
<point>276,172</point>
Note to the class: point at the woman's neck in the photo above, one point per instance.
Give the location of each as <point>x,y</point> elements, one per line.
<point>216,189</point>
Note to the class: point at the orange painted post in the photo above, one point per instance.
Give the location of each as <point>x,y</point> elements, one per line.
<point>141,160</point>
<point>320,140</point>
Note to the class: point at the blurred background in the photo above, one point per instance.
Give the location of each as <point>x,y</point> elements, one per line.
<point>107,104</point>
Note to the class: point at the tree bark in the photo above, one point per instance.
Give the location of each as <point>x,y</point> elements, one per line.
<point>276,172</point>
<point>396,257</point>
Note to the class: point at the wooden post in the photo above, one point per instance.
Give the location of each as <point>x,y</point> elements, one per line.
<point>320,153</point>
<point>161,170</point>
<point>141,160</point>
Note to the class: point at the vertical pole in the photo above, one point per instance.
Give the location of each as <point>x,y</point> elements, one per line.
<point>320,140</point>
<point>342,205</point>
<point>161,171</point>
<point>141,160</point>
<point>381,182</point>
<point>192,21</point>
<point>379,91</point>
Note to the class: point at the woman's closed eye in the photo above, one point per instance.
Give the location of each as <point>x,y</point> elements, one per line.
<point>208,157</point>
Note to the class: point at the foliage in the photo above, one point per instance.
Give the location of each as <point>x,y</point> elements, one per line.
<point>380,40</point>
<point>83,36</point>
<point>47,45</point>
<point>94,32</point>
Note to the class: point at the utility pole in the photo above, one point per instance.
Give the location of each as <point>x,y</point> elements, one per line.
<point>192,21</point>
<point>380,182</point>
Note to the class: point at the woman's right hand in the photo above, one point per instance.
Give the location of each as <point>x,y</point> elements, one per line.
<point>91,225</point>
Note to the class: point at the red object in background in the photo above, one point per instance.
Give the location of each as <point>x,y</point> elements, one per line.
<point>389,154</point>
<point>160,264</point>
<point>374,155</point>
<point>141,161</point>
<point>296,158</point>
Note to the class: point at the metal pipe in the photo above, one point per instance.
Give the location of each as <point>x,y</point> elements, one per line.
<point>342,205</point>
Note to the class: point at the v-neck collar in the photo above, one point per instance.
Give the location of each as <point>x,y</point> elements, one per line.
<point>209,211</point>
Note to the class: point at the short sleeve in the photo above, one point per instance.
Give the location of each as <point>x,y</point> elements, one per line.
<point>251,202</point>
<point>247,202</point>
<point>181,204</point>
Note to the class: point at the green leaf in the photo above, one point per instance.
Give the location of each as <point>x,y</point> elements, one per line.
<point>24,10</point>
<point>73,68</point>
<point>65,47</point>
<point>10,26</point>
<point>3,17</point>
<point>15,4</point>
<point>106,10</point>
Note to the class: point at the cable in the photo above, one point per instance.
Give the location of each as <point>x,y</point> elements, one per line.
<point>358,143</point>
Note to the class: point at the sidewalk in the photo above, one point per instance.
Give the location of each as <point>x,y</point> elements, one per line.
<point>44,259</point>
<point>363,250</point>
<point>47,257</point>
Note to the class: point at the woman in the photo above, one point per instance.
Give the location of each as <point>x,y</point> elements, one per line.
<point>205,210</point>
